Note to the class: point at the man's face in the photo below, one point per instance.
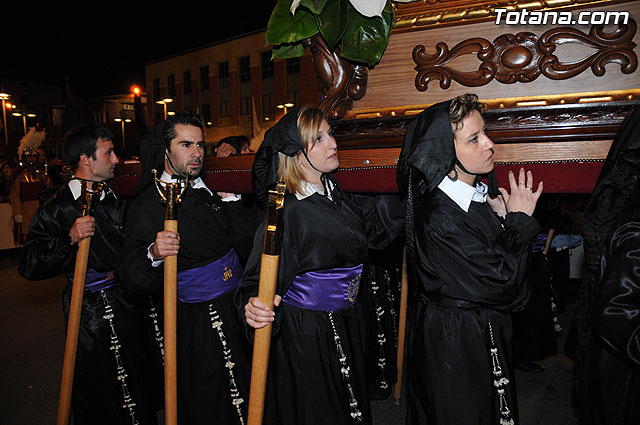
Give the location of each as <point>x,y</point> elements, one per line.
<point>103,163</point>
<point>187,151</point>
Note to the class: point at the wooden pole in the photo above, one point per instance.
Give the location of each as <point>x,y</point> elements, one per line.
<point>266,294</point>
<point>170,332</point>
<point>262,341</point>
<point>547,244</point>
<point>171,193</point>
<point>402,325</point>
<point>73,327</point>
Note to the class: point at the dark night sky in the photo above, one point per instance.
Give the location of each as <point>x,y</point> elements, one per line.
<point>104,51</point>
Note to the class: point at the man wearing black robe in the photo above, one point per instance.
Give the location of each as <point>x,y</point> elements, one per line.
<point>213,240</point>
<point>110,376</point>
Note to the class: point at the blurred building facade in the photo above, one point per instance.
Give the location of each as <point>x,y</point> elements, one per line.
<point>234,85</point>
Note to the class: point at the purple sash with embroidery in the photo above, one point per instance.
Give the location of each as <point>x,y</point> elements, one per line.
<point>210,281</point>
<point>325,290</point>
<point>95,281</point>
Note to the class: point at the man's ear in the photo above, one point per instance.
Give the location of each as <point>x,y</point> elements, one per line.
<point>84,159</point>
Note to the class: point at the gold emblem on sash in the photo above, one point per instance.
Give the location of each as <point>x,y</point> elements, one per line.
<point>228,274</point>
<point>353,288</point>
<point>110,275</point>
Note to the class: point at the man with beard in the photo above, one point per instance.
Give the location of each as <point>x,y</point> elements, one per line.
<point>213,240</point>
<point>110,369</point>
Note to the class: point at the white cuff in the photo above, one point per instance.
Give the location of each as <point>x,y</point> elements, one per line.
<point>154,263</point>
<point>236,197</point>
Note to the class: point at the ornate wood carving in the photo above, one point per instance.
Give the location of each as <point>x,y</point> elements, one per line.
<point>426,14</point>
<point>343,81</point>
<point>524,56</point>
<point>577,122</point>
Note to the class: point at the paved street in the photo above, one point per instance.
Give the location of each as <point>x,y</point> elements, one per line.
<point>32,333</point>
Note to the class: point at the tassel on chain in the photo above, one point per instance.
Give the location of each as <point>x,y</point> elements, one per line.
<point>500,382</point>
<point>153,314</point>
<point>129,404</point>
<point>382,360</point>
<point>356,414</point>
<point>236,399</point>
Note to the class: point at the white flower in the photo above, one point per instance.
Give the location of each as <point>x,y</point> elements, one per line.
<point>368,8</point>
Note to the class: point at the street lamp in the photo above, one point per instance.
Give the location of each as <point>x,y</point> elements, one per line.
<point>285,106</point>
<point>24,116</point>
<point>5,97</point>
<point>164,103</point>
<point>121,121</point>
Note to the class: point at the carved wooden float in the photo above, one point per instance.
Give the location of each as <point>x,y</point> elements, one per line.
<point>556,94</point>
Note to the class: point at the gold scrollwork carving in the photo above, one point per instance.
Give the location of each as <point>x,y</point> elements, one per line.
<point>524,56</point>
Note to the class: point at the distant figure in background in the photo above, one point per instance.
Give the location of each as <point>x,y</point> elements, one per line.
<point>55,166</point>
<point>5,172</point>
<point>608,310</point>
<point>29,182</point>
<point>232,145</point>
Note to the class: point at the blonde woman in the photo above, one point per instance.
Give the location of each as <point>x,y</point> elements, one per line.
<point>317,371</point>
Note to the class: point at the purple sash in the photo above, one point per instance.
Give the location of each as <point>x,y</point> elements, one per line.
<point>96,281</point>
<point>210,281</point>
<point>538,243</point>
<point>325,290</point>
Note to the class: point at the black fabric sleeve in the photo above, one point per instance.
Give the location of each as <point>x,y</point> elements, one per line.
<point>384,217</point>
<point>243,223</point>
<point>617,318</point>
<point>134,267</point>
<point>48,250</point>
<point>478,271</point>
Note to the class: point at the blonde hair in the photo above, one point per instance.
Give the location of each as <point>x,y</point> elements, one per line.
<point>289,169</point>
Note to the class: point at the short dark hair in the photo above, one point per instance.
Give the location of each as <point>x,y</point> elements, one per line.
<point>236,141</point>
<point>462,106</point>
<point>81,140</point>
<point>169,127</point>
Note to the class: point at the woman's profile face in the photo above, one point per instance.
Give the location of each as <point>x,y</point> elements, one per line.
<point>474,148</point>
<point>322,152</point>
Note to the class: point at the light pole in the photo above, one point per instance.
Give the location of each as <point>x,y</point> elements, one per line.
<point>122,121</point>
<point>24,116</point>
<point>285,106</point>
<point>5,97</point>
<point>164,103</point>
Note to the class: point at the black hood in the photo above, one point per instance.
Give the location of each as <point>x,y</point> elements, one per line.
<point>616,182</point>
<point>427,148</point>
<point>616,186</point>
<point>282,137</point>
<point>151,156</point>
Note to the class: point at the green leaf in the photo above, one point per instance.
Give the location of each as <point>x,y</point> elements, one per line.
<point>315,6</point>
<point>285,51</point>
<point>285,28</point>
<point>365,39</point>
<point>333,21</point>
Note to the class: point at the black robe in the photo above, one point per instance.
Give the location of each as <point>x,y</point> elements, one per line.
<point>611,378</point>
<point>208,229</point>
<point>470,272</point>
<point>97,396</point>
<point>306,385</point>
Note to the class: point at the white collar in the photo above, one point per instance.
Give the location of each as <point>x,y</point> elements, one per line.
<point>307,189</point>
<point>76,189</point>
<point>198,183</point>
<point>462,194</point>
